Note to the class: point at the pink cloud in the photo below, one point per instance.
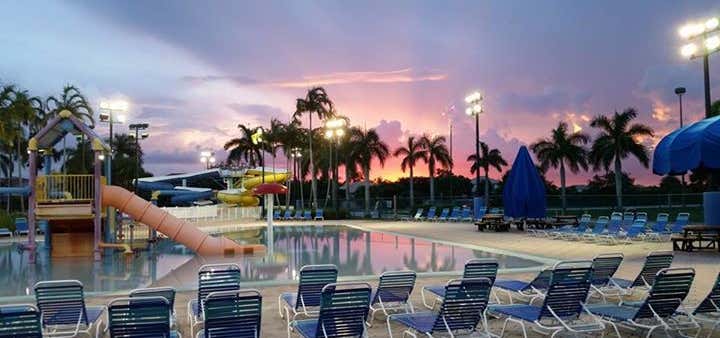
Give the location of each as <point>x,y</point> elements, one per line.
<point>405,75</point>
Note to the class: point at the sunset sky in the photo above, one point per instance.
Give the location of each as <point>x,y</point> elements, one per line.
<point>194,70</point>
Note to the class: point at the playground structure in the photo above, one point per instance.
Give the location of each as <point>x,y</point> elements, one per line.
<point>74,204</point>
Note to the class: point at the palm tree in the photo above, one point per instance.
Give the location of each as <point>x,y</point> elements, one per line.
<point>243,148</point>
<point>562,149</point>
<point>316,102</point>
<point>369,146</point>
<point>488,158</point>
<point>437,154</point>
<point>411,153</point>
<point>273,138</point>
<point>289,138</point>
<point>349,159</point>
<point>71,99</point>
<point>617,140</point>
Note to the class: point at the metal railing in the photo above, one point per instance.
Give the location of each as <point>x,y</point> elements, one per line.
<point>214,213</point>
<point>60,188</point>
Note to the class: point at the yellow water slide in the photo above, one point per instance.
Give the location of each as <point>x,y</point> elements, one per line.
<point>244,196</point>
<point>174,228</point>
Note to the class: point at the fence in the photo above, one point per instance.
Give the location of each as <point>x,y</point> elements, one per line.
<point>210,213</point>
<point>55,188</point>
<point>400,205</point>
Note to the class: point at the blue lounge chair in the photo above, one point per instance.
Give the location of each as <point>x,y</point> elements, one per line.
<point>211,278</point>
<point>708,311</point>
<point>298,215</point>
<point>313,278</point>
<point>604,268</point>
<point>62,308</point>
<point>6,232</point>
<point>21,226</point>
<point>581,231</point>
<point>393,293</point>
<point>42,226</point>
<point>166,292</point>
<point>634,232</point>
<point>417,217</point>
<point>681,221</point>
<point>627,220</point>
<point>343,312</point>
<point>443,215</point>
<point>454,214</point>
<point>276,214</point>
<point>662,308</point>
<point>641,215</point>
<point>430,214</point>
<point>20,320</point>
<point>581,227</point>
<point>525,290</point>
<point>462,309</point>
<point>466,215</point>
<point>232,314</point>
<point>474,268</point>
<point>654,262</point>
<point>598,229</point>
<point>307,215</point>
<point>139,317</point>
<point>659,229</point>
<point>562,307</point>
<point>613,229</point>
<point>319,215</point>
<point>288,214</point>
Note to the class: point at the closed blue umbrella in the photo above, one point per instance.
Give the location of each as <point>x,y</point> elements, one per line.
<point>524,192</point>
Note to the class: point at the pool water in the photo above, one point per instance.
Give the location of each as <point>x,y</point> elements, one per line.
<point>356,253</point>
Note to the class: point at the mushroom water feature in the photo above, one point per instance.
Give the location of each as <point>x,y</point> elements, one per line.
<point>269,190</point>
<point>691,147</point>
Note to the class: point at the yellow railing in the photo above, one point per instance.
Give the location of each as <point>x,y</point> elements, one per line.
<point>60,188</point>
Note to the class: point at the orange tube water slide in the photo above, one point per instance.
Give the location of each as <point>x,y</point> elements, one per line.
<point>176,229</point>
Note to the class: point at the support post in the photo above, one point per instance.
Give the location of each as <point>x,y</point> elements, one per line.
<point>32,177</point>
<point>270,234</point>
<point>97,202</point>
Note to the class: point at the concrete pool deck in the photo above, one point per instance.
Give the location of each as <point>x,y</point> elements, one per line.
<point>706,265</point>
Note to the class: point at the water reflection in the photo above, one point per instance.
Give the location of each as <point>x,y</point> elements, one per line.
<point>355,252</point>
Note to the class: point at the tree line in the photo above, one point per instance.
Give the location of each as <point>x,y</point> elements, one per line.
<point>22,115</point>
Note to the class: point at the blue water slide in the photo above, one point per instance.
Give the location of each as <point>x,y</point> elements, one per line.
<point>15,191</point>
<point>186,197</point>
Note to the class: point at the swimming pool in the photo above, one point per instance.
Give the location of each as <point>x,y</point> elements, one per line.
<point>356,252</point>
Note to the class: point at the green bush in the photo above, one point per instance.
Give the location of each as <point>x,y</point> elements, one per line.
<point>7,220</point>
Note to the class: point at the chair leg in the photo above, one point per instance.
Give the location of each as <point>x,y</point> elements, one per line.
<point>422,294</point>
<point>387,321</point>
<point>280,307</point>
<point>712,329</point>
<point>409,333</point>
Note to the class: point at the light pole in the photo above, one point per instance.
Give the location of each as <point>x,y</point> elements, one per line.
<point>706,32</point>
<point>296,154</point>
<point>111,112</point>
<point>475,108</point>
<point>679,91</point>
<point>207,158</point>
<point>138,128</point>
<point>334,131</point>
